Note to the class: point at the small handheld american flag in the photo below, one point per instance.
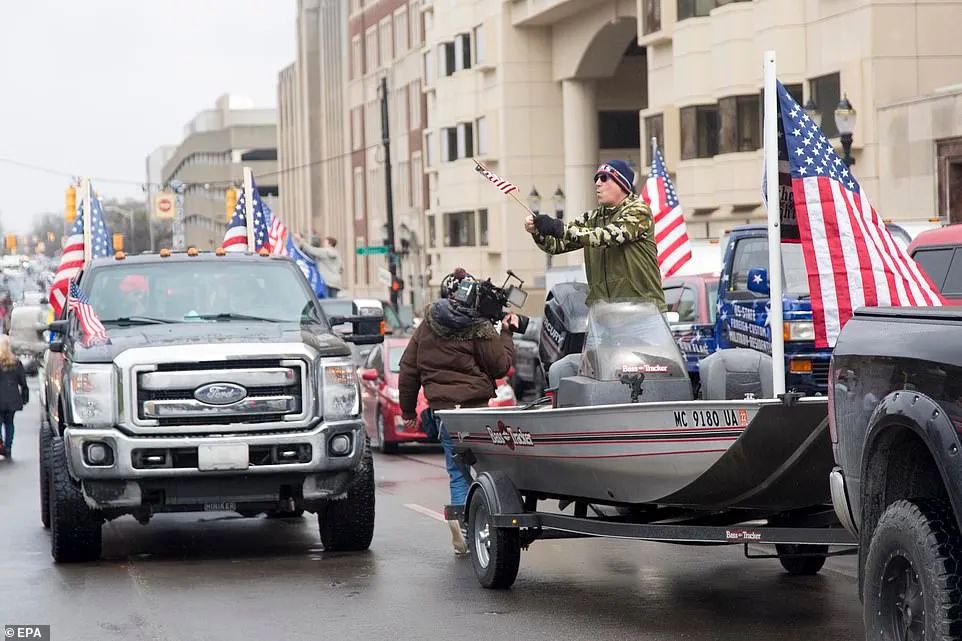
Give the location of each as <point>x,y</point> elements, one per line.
<point>93,330</point>
<point>503,185</point>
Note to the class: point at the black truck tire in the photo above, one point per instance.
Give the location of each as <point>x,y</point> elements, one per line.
<point>44,451</point>
<point>348,524</point>
<point>495,552</point>
<point>801,565</point>
<point>75,532</point>
<point>913,574</point>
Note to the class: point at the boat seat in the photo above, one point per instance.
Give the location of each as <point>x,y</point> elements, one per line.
<point>730,374</point>
<point>582,391</point>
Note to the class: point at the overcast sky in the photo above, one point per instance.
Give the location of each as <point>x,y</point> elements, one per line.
<point>91,87</point>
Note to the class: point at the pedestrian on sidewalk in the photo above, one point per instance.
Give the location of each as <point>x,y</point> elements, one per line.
<point>14,393</point>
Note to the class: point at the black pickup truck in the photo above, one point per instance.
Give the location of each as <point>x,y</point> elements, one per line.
<point>896,424</point>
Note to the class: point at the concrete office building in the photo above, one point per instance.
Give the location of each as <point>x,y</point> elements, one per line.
<point>218,143</point>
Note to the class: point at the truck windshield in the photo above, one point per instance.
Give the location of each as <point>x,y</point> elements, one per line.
<point>187,291</point>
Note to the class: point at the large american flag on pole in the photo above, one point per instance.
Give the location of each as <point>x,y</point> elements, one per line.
<point>93,330</point>
<point>851,258</point>
<point>72,260</point>
<point>269,231</point>
<point>671,234</point>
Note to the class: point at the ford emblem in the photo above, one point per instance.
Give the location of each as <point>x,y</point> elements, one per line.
<point>220,393</point>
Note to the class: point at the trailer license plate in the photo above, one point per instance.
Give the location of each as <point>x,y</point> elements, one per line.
<point>213,458</point>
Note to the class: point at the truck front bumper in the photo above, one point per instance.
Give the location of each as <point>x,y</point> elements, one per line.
<point>135,463</point>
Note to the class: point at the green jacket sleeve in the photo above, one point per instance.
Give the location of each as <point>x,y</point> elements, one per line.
<point>553,245</point>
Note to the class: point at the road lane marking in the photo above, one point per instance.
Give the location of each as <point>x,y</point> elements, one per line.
<point>428,512</point>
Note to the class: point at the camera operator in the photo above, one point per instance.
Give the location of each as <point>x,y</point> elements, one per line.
<point>455,354</point>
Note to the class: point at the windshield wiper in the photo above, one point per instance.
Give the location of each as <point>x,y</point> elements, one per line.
<point>232,316</point>
<point>139,320</point>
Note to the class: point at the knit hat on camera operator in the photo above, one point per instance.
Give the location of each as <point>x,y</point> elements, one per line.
<point>451,282</point>
<point>620,172</point>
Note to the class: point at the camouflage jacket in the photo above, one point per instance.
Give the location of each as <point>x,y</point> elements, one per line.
<point>621,259</point>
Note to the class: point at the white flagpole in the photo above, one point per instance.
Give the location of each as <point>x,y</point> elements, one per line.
<point>249,206</point>
<point>774,226</point>
<point>87,209</point>
<point>654,151</point>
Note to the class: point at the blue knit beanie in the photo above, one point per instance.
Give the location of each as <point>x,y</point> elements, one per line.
<point>620,172</point>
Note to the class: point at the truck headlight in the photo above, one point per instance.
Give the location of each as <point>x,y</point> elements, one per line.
<point>799,331</point>
<point>92,399</point>
<point>339,390</point>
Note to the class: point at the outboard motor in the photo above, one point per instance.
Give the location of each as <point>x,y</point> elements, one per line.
<point>565,322</point>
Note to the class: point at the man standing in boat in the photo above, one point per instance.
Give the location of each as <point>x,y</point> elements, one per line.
<point>621,256</point>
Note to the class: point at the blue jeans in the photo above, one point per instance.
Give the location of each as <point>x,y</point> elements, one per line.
<point>459,484</point>
<point>7,419</point>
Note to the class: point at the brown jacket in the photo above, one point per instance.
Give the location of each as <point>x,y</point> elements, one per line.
<point>455,358</point>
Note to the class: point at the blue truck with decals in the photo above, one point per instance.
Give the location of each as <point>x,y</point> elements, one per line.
<point>744,302</point>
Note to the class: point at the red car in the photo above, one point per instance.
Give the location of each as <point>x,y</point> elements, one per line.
<point>939,253</point>
<point>379,396</point>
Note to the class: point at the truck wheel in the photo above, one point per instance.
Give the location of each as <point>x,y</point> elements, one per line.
<point>801,565</point>
<point>386,447</point>
<point>913,588</point>
<point>75,528</point>
<point>495,552</point>
<point>348,524</point>
<point>44,477</point>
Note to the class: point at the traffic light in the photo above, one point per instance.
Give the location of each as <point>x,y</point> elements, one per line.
<point>10,242</point>
<point>118,242</point>
<point>70,210</point>
<point>397,284</point>
<point>230,202</point>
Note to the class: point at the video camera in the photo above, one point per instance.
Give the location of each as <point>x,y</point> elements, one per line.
<point>490,300</point>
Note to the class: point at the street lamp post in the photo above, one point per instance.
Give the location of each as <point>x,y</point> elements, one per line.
<point>845,121</point>
<point>813,112</point>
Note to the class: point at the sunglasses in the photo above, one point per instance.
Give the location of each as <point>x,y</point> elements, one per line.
<point>603,178</point>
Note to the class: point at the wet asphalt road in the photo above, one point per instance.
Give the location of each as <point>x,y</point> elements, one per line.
<point>218,576</point>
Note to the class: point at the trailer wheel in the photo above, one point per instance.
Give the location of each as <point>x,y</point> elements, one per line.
<point>801,565</point>
<point>495,552</point>
<point>912,574</point>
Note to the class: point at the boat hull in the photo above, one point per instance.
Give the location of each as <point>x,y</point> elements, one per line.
<point>755,454</point>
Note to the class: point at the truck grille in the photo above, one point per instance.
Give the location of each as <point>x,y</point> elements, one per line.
<point>268,390</point>
<point>820,372</point>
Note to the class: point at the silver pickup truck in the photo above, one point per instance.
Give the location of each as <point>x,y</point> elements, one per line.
<point>222,387</point>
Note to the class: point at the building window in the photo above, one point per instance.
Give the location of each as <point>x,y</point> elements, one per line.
<point>446,59</point>
<point>370,50</point>
<point>357,128</point>
<point>417,181</point>
<point>740,127</point>
<point>826,91</point>
<point>699,131</point>
<point>404,183</point>
<point>415,110</point>
<point>429,149</point>
<point>400,31</point>
<point>481,131</point>
<point>415,23</point>
<point>619,129</point>
<point>429,67</point>
<point>654,128</point>
<point>459,229</point>
<point>480,53</point>
<point>358,193</point>
<point>357,57</point>
<point>462,51</point>
<point>432,232</point>
<point>386,44</point>
<point>483,227</point>
<point>449,144</point>
<point>694,8</point>
<point>652,16</point>
<point>403,123</point>
<point>465,140</point>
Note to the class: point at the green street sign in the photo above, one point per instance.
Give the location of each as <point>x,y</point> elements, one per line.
<point>369,251</point>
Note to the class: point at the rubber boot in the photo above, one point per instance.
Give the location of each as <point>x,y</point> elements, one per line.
<point>457,539</point>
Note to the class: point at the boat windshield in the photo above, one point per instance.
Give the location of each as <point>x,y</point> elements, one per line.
<point>629,336</point>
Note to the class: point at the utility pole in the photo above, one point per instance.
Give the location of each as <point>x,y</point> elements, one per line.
<point>393,258</point>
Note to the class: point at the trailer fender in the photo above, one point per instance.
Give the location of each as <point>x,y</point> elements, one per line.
<point>502,496</point>
<point>927,419</point>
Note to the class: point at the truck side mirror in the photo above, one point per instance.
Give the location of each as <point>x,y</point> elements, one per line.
<point>758,281</point>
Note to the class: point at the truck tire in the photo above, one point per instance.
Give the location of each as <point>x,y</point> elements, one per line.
<point>801,565</point>
<point>913,574</point>
<point>348,524</point>
<point>495,552</point>
<point>75,534</point>
<point>44,447</point>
